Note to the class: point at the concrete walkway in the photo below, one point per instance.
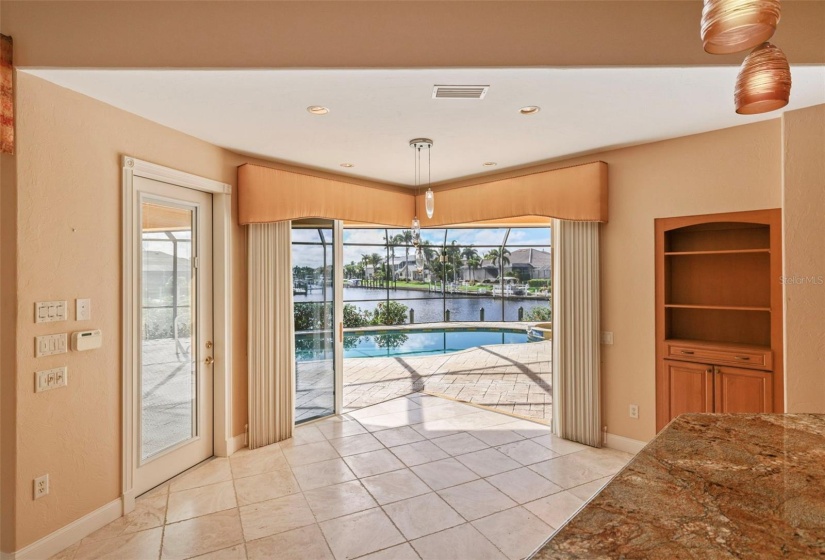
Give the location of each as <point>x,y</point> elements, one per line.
<point>511,378</point>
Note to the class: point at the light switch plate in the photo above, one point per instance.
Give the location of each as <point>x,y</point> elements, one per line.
<point>51,379</point>
<point>83,311</point>
<point>50,344</point>
<point>49,311</point>
<point>607,337</point>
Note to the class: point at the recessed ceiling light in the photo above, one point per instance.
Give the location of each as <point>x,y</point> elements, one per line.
<point>529,110</point>
<point>489,164</point>
<point>317,110</point>
<point>347,165</point>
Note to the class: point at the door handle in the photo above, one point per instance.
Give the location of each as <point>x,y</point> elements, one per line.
<point>209,360</point>
<point>341,331</point>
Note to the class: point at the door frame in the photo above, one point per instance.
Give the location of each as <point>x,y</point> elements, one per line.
<point>224,443</point>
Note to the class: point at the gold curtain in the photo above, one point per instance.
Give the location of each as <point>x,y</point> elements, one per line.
<point>576,193</point>
<point>271,338</point>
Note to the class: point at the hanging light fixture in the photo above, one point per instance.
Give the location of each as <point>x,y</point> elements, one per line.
<point>429,197</point>
<point>732,26</point>
<point>764,81</point>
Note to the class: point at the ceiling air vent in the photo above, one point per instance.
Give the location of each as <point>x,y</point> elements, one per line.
<point>460,92</point>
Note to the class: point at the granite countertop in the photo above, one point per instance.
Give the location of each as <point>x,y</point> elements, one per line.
<point>710,486</point>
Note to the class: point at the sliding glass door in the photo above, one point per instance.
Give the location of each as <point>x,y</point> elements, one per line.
<point>317,286</point>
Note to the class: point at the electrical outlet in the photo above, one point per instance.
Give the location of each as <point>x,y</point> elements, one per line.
<point>83,309</point>
<point>41,486</point>
<point>633,411</point>
<point>607,337</point>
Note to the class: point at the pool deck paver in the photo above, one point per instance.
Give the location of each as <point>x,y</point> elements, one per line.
<point>512,378</point>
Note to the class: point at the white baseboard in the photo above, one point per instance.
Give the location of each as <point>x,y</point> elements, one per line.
<point>235,443</point>
<point>66,536</point>
<point>621,443</point>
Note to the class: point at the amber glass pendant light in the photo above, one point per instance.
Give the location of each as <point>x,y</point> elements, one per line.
<point>732,26</point>
<point>764,81</point>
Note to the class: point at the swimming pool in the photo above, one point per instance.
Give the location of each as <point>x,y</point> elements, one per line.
<point>412,342</point>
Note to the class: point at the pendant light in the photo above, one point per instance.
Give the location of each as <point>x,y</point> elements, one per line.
<point>764,81</point>
<point>732,26</point>
<point>419,144</point>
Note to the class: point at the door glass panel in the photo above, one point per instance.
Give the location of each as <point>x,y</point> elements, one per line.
<point>168,380</point>
<point>313,292</point>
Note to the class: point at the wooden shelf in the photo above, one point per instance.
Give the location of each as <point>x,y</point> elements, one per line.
<point>716,307</point>
<point>726,252</point>
<point>719,314</point>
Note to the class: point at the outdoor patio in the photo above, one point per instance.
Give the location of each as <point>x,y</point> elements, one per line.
<point>512,378</point>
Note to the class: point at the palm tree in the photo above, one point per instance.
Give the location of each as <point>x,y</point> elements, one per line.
<point>469,253</point>
<point>405,238</point>
<point>497,257</point>
<point>473,263</point>
<point>390,265</point>
<point>365,261</point>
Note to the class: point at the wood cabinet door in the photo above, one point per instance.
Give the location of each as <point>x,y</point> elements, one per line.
<point>690,387</point>
<point>743,390</point>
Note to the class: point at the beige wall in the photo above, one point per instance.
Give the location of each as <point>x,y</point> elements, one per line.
<point>69,246</point>
<point>722,171</point>
<point>803,159</point>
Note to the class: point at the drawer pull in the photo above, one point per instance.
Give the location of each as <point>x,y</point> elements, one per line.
<point>688,352</point>
<point>744,358</point>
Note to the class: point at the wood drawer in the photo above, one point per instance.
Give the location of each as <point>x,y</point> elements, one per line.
<point>753,358</point>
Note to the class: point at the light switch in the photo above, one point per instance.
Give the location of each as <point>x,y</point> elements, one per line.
<point>607,337</point>
<point>49,311</point>
<point>51,379</point>
<point>50,344</point>
<point>83,311</point>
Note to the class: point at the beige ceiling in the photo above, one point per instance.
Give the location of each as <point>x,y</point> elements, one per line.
<point>375,113</point>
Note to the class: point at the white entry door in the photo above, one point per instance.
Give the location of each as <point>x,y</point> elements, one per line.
<point>173,332</point>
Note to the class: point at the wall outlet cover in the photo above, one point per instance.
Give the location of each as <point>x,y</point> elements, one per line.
<point>49,311</point>
<point>50,344</point>
<point>41,486</point>
<point>633,411</point>
<point>83,310</point>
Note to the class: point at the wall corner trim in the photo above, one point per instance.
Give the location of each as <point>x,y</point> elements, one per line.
<point>66,536</point>
<point>621,443</point>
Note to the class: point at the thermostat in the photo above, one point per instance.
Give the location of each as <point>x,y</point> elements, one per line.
<point>87,340</point>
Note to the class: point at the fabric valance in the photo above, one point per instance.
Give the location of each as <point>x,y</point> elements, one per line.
<point>577,193</point>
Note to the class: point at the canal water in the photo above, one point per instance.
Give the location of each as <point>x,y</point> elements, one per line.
<point>429,306</point>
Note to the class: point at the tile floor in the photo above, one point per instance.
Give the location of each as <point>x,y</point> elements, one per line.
<point>417,477</point>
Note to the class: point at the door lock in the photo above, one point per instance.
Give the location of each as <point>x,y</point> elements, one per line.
<point>208,344</point>
<point>209,360</point>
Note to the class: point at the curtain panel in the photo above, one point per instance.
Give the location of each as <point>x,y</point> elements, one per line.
<point>576,350</point>
<point>271,337</point>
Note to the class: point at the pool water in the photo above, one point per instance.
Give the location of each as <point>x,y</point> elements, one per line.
<point>414,342</point>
